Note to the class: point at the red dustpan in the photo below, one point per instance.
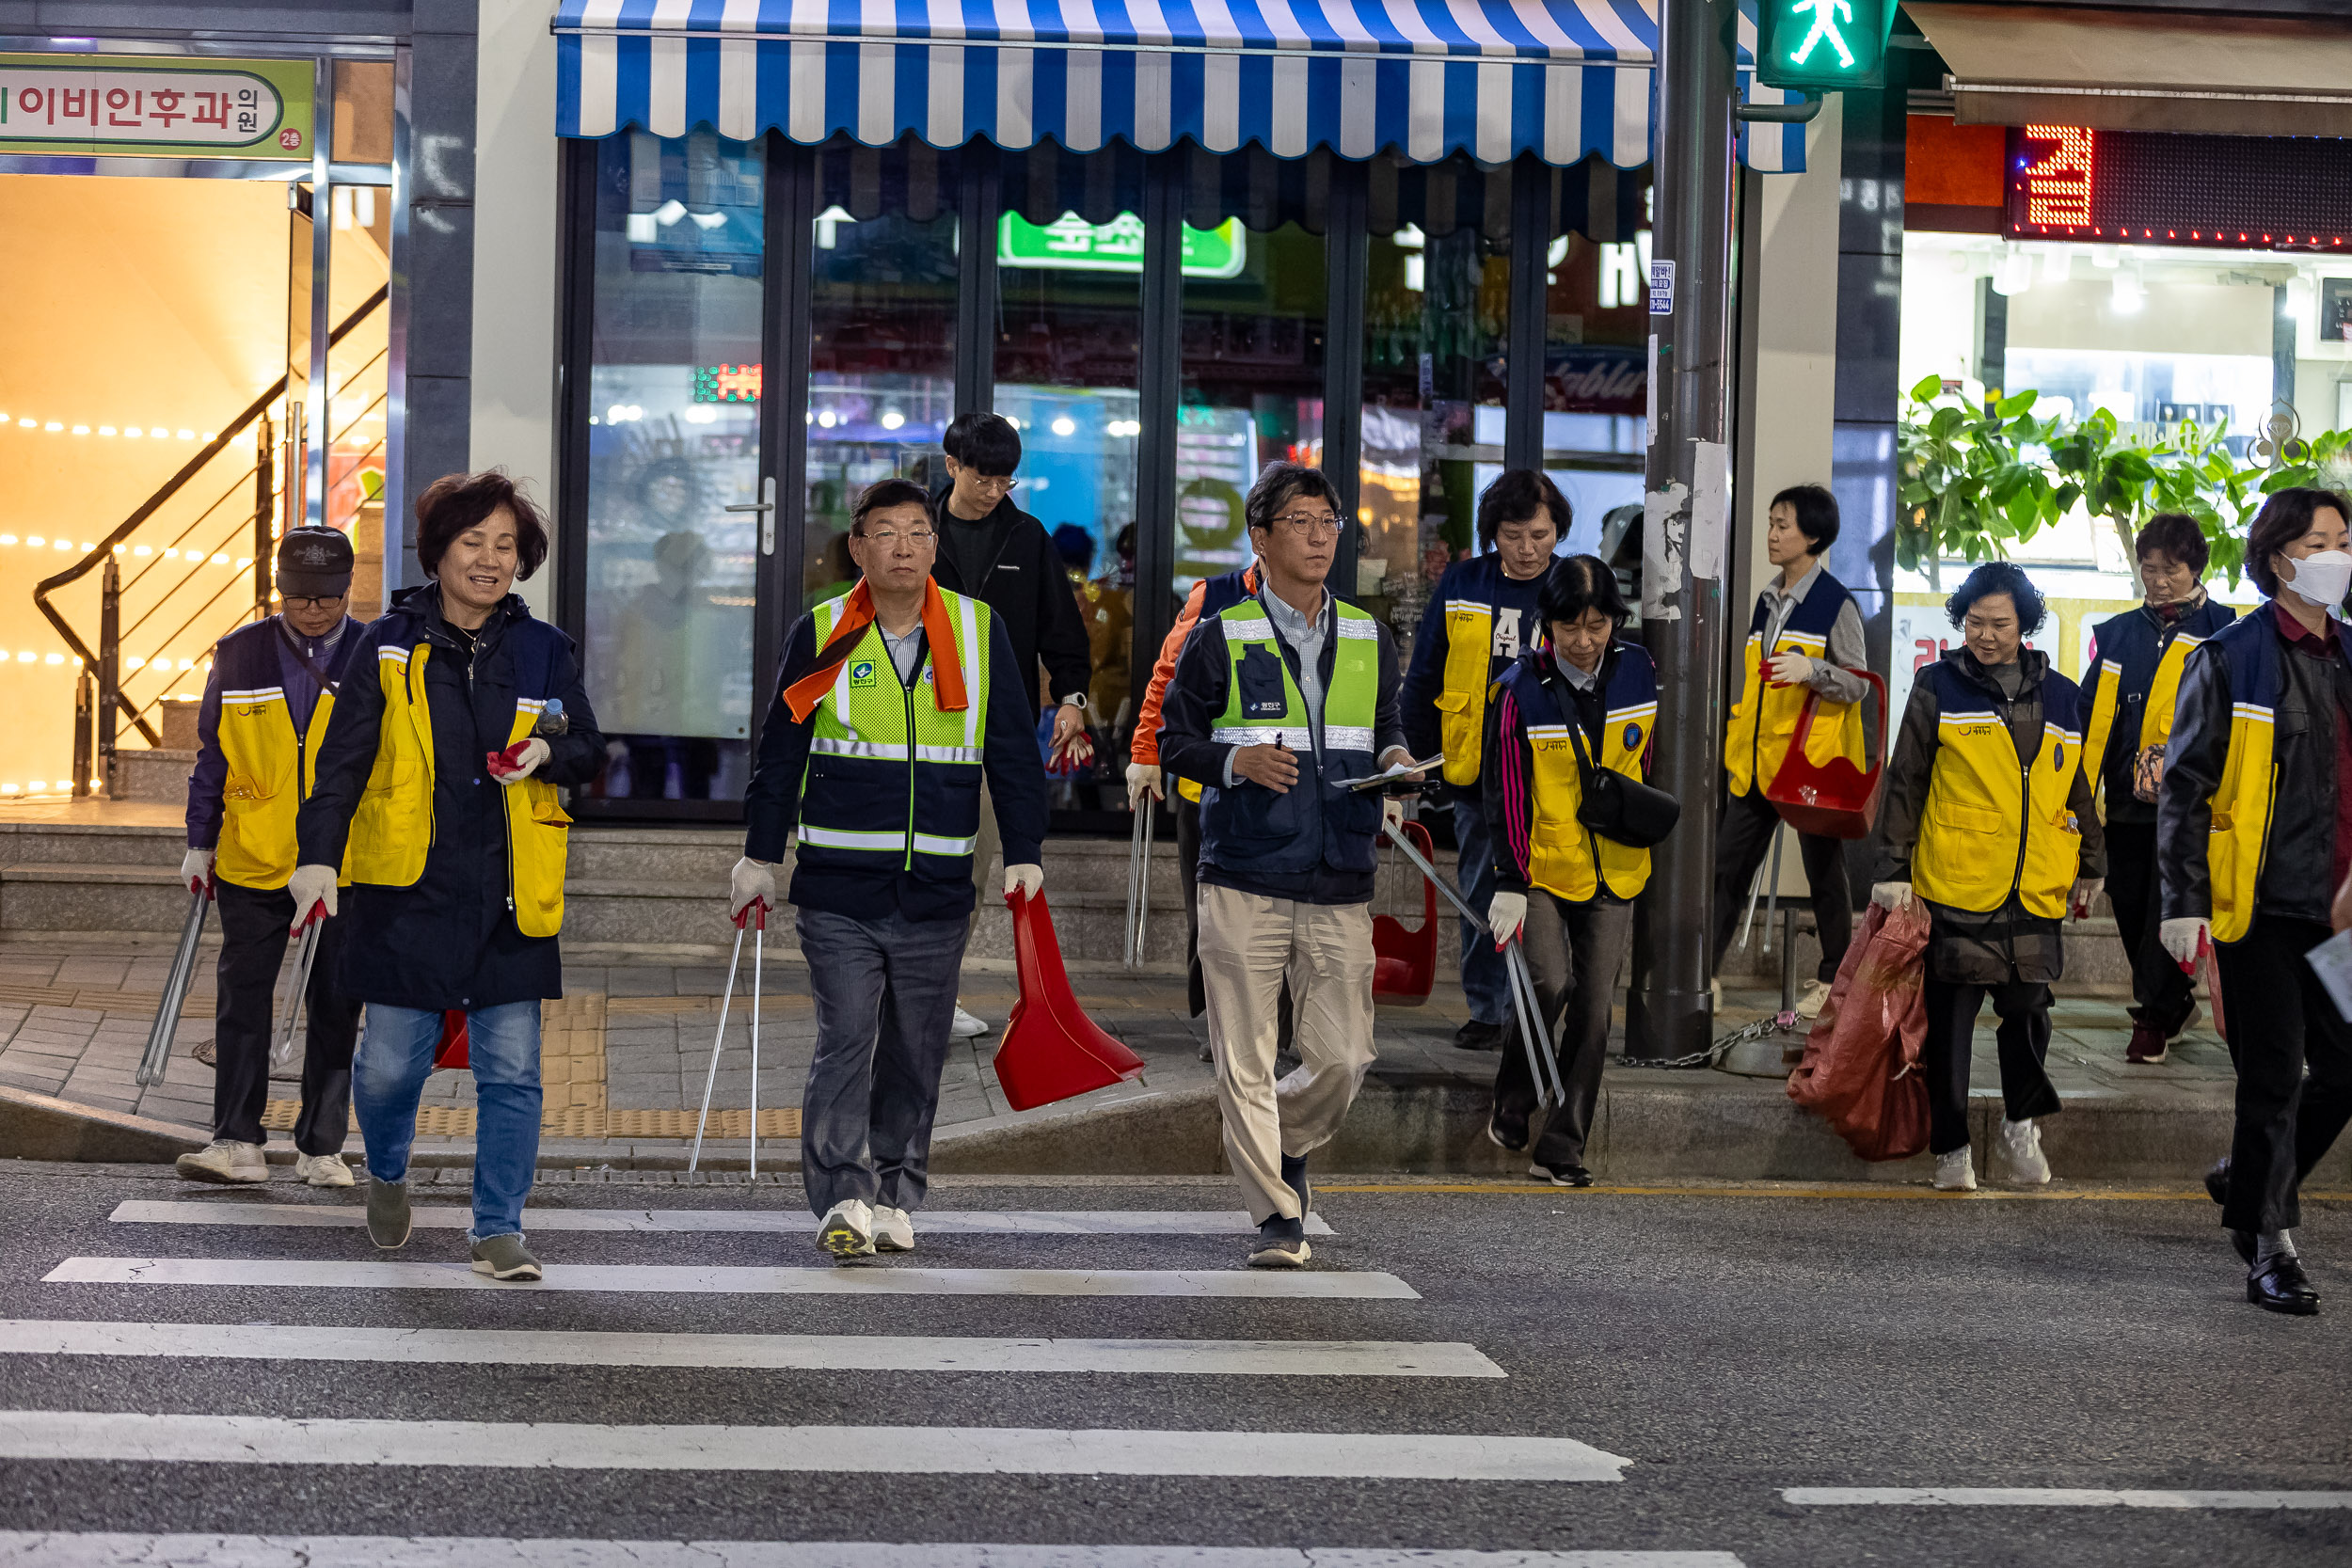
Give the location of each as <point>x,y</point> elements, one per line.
<point>451,1053</point>
<point>1404,963</point>
<point>1834,798</point>
<point>1052,1051</point>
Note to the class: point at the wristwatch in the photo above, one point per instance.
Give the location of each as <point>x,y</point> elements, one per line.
<point>1074,698</point>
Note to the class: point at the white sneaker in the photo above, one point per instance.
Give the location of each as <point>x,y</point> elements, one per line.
<point>1816,996</point>
<point>1715,995</point>
<point>849,1230</point>
<point>2017,1157</point>
<point>225,1161</point>
<point>966,1026</point>
<point>893,1229</point>
<point>1954,1172</point>
<point>321,1170</point>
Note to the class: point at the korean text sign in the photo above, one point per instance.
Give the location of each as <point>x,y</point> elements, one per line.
<point>145,106</point>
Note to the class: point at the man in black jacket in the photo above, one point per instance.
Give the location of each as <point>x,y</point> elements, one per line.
<point>998,554</point>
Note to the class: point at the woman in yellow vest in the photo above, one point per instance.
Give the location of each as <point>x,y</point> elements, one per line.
<point>2253,830</point>
<point>1586,698</point>
<point>436,798</point>
<point>1989,821</point>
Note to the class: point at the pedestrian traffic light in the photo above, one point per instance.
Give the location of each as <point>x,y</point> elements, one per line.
<point>1822,45</point>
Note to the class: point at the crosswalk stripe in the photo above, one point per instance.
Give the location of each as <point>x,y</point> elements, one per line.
<point>61,1550</point>
<point>2052,1496</point>
<point>779,1351</point>
<point>934,1222</point>
<point>136,1437</point>
<point>1284,1284</point>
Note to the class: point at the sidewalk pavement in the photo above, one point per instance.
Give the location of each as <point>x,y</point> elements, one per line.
<point>627,1051</point>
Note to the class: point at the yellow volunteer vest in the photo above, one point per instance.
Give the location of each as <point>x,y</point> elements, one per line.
<point>2155,714</point>
<point>1565,858</point>
<point>1989,825</point>
<point>271,770</point>
<point>1763,723</point>
<point>1469,640</point>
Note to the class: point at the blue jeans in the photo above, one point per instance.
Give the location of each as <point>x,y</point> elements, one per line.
<point>1484,981</point>
<point>388,1077</point>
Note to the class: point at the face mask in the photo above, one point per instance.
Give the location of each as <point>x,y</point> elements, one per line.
<point>2322,578</point>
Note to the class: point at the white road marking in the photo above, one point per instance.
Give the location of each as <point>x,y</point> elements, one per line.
<point>934,1222</point>
<point>274,1273</point>
<point>134,1437</point>
<point>2051,1497</point>
<point>782,1352</point>
<point>29,1547</point>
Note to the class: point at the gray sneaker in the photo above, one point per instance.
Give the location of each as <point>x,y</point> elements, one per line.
<point>388,1212</point>
<point>504,1258</point>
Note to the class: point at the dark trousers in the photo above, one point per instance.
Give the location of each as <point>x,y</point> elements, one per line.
<point>253,923</point>
<point>2163,997</point>
<point>2281,1022</point>
<point>1741,843</point>
<point>885,995</point>
<point>1574,952</point>
<point>2024,1040</point>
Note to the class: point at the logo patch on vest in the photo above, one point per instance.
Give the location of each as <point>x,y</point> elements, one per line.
<point>1633,738</point>
<point>862,672</point>
<point>2057,757</point>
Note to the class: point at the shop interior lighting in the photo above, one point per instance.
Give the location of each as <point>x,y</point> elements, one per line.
<point>701,413</point>
<point>2299,297</point>
<point>708,220</point>
<point>824,421</point>
<point>2057,263</point>
<point>2012,274</point>
<point>2106,256</point>
<point>669,212</point>
<point>2129,294</point>
<point>1065,426</point>
<point>892,419</point>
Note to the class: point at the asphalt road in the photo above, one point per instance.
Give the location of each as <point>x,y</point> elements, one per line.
<point>1727,1345</point>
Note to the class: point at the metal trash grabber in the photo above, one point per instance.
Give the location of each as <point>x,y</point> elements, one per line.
<point>159,1038</point>
<point>1140,880</point>
<point>1544,1060</point>
<point>726,1000</point>
<point>298,986</point>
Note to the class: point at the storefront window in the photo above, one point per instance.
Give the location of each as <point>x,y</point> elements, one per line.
<point>673,442</point>
<point>1437,312</point>
<point>356,373</point>
<point>883,336</point>
<point>1597,327</point>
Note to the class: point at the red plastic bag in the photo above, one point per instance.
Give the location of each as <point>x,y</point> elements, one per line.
<point>1861,1062</point>
<point>1052,1051</point>
<point>1404,963</point>
<point>451,1050</point>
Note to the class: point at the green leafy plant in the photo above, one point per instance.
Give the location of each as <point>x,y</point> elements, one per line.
<point>1972,481</point>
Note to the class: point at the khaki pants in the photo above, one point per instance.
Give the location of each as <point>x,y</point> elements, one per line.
<point>1247,943</point>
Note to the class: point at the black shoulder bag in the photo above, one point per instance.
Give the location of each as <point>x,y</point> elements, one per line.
<point>1616,807</point>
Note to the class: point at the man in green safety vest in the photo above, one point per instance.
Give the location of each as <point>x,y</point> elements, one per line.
<point>1278,700</point>
<point>895,698</point>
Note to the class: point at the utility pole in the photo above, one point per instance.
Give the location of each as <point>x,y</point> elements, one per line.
<point>1686,515</point>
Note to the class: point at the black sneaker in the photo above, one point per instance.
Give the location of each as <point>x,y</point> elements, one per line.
<point>1281,1243</point>
<point>1561,1176</point>
<point>1512,1137</point>
<point>1478,1034</point>
<point>1294,1176</point>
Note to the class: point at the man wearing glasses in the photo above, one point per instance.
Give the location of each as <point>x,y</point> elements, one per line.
<point>993,552</point>
<point>265,711</point>
<point>1276,702</point>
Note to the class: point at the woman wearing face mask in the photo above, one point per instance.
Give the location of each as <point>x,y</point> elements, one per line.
<point>1989,821</point>
<point>2253,834</point>
<point>1586,697</point>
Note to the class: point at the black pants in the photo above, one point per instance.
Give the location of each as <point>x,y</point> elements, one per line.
<point>2024,1009</point>
<point>253,943</point>
<point>1742,840</point>
<point>1188,868</point>
<point>2163,997</point>
<point>1574,952</point>
<point>2280,1022</point>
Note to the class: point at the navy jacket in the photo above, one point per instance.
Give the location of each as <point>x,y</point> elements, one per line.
<point>268,644</point>
<point>449,940</point>
<point>1480,580</point>
<point>1016,790</point>
<point>2136,640</point>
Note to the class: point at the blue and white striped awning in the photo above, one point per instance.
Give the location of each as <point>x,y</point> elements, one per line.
<point>1425,79</point>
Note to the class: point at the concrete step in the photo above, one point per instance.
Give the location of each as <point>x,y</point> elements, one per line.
<point>159,774</point>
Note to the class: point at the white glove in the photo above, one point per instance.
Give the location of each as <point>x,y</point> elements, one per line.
<point>1506,915</point>
<point>1029,879</point>
<point>750,880</point>
<point>534,753</point>
<point>1891,896</point>
<point>1143,778</point>
<point>2085,889</point>
<point>1791,669</point>
<point>311,885</point>
<point>1392,814</point>
<point>2185,939</point>
<point>195,869</point>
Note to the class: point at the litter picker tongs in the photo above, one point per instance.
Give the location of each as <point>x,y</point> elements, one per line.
<point>1139,880</point>
<point>1542,1071</point>
<point>298,986</point>
<point>753,918</point>
<point>175,989</point>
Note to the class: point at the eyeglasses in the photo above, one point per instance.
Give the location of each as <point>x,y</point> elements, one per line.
<point>1311,525</point>
<point>888,538</point>
<point>311,601</point>
<point>1002,485</point>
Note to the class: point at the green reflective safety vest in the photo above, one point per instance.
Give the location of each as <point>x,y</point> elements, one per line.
<point>892,782</point>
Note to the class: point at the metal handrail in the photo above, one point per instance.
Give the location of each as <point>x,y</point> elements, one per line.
<point>154,503</point>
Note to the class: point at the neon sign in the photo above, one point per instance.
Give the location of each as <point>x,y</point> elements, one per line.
<point>2058,188</point>
<point>2145,188</point>
<point>726,384</point>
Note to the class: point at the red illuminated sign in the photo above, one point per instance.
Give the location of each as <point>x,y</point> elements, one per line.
<point>2058,186</point>
<point>2246,193</point>
<point>726,384</point>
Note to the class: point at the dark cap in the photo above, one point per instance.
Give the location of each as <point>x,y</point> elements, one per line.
<point>314,562</point>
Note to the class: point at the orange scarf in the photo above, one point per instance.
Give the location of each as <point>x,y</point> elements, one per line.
<point>804,695</point>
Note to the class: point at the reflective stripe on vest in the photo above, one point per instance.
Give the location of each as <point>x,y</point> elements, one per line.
<point>883,759</point>
<point>2128,644</point>
<point>1991,826</point>
<point>2244,802</point>
<point>1565,858</point>
<point>1351,700</point>
<point>1764,720</point>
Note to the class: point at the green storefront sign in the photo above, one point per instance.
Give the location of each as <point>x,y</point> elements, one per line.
<point>1072,242</point>
<point>148,107</point>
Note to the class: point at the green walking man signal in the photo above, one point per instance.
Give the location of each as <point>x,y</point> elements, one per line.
<point>1823,45</point>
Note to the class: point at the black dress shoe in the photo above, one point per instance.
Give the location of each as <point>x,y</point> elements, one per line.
<point>2282,1286</point>
<point>1478,1034</point>
<point>2218,1181</point>
<point>2243,1242</point>
<point>1504,1136</point>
